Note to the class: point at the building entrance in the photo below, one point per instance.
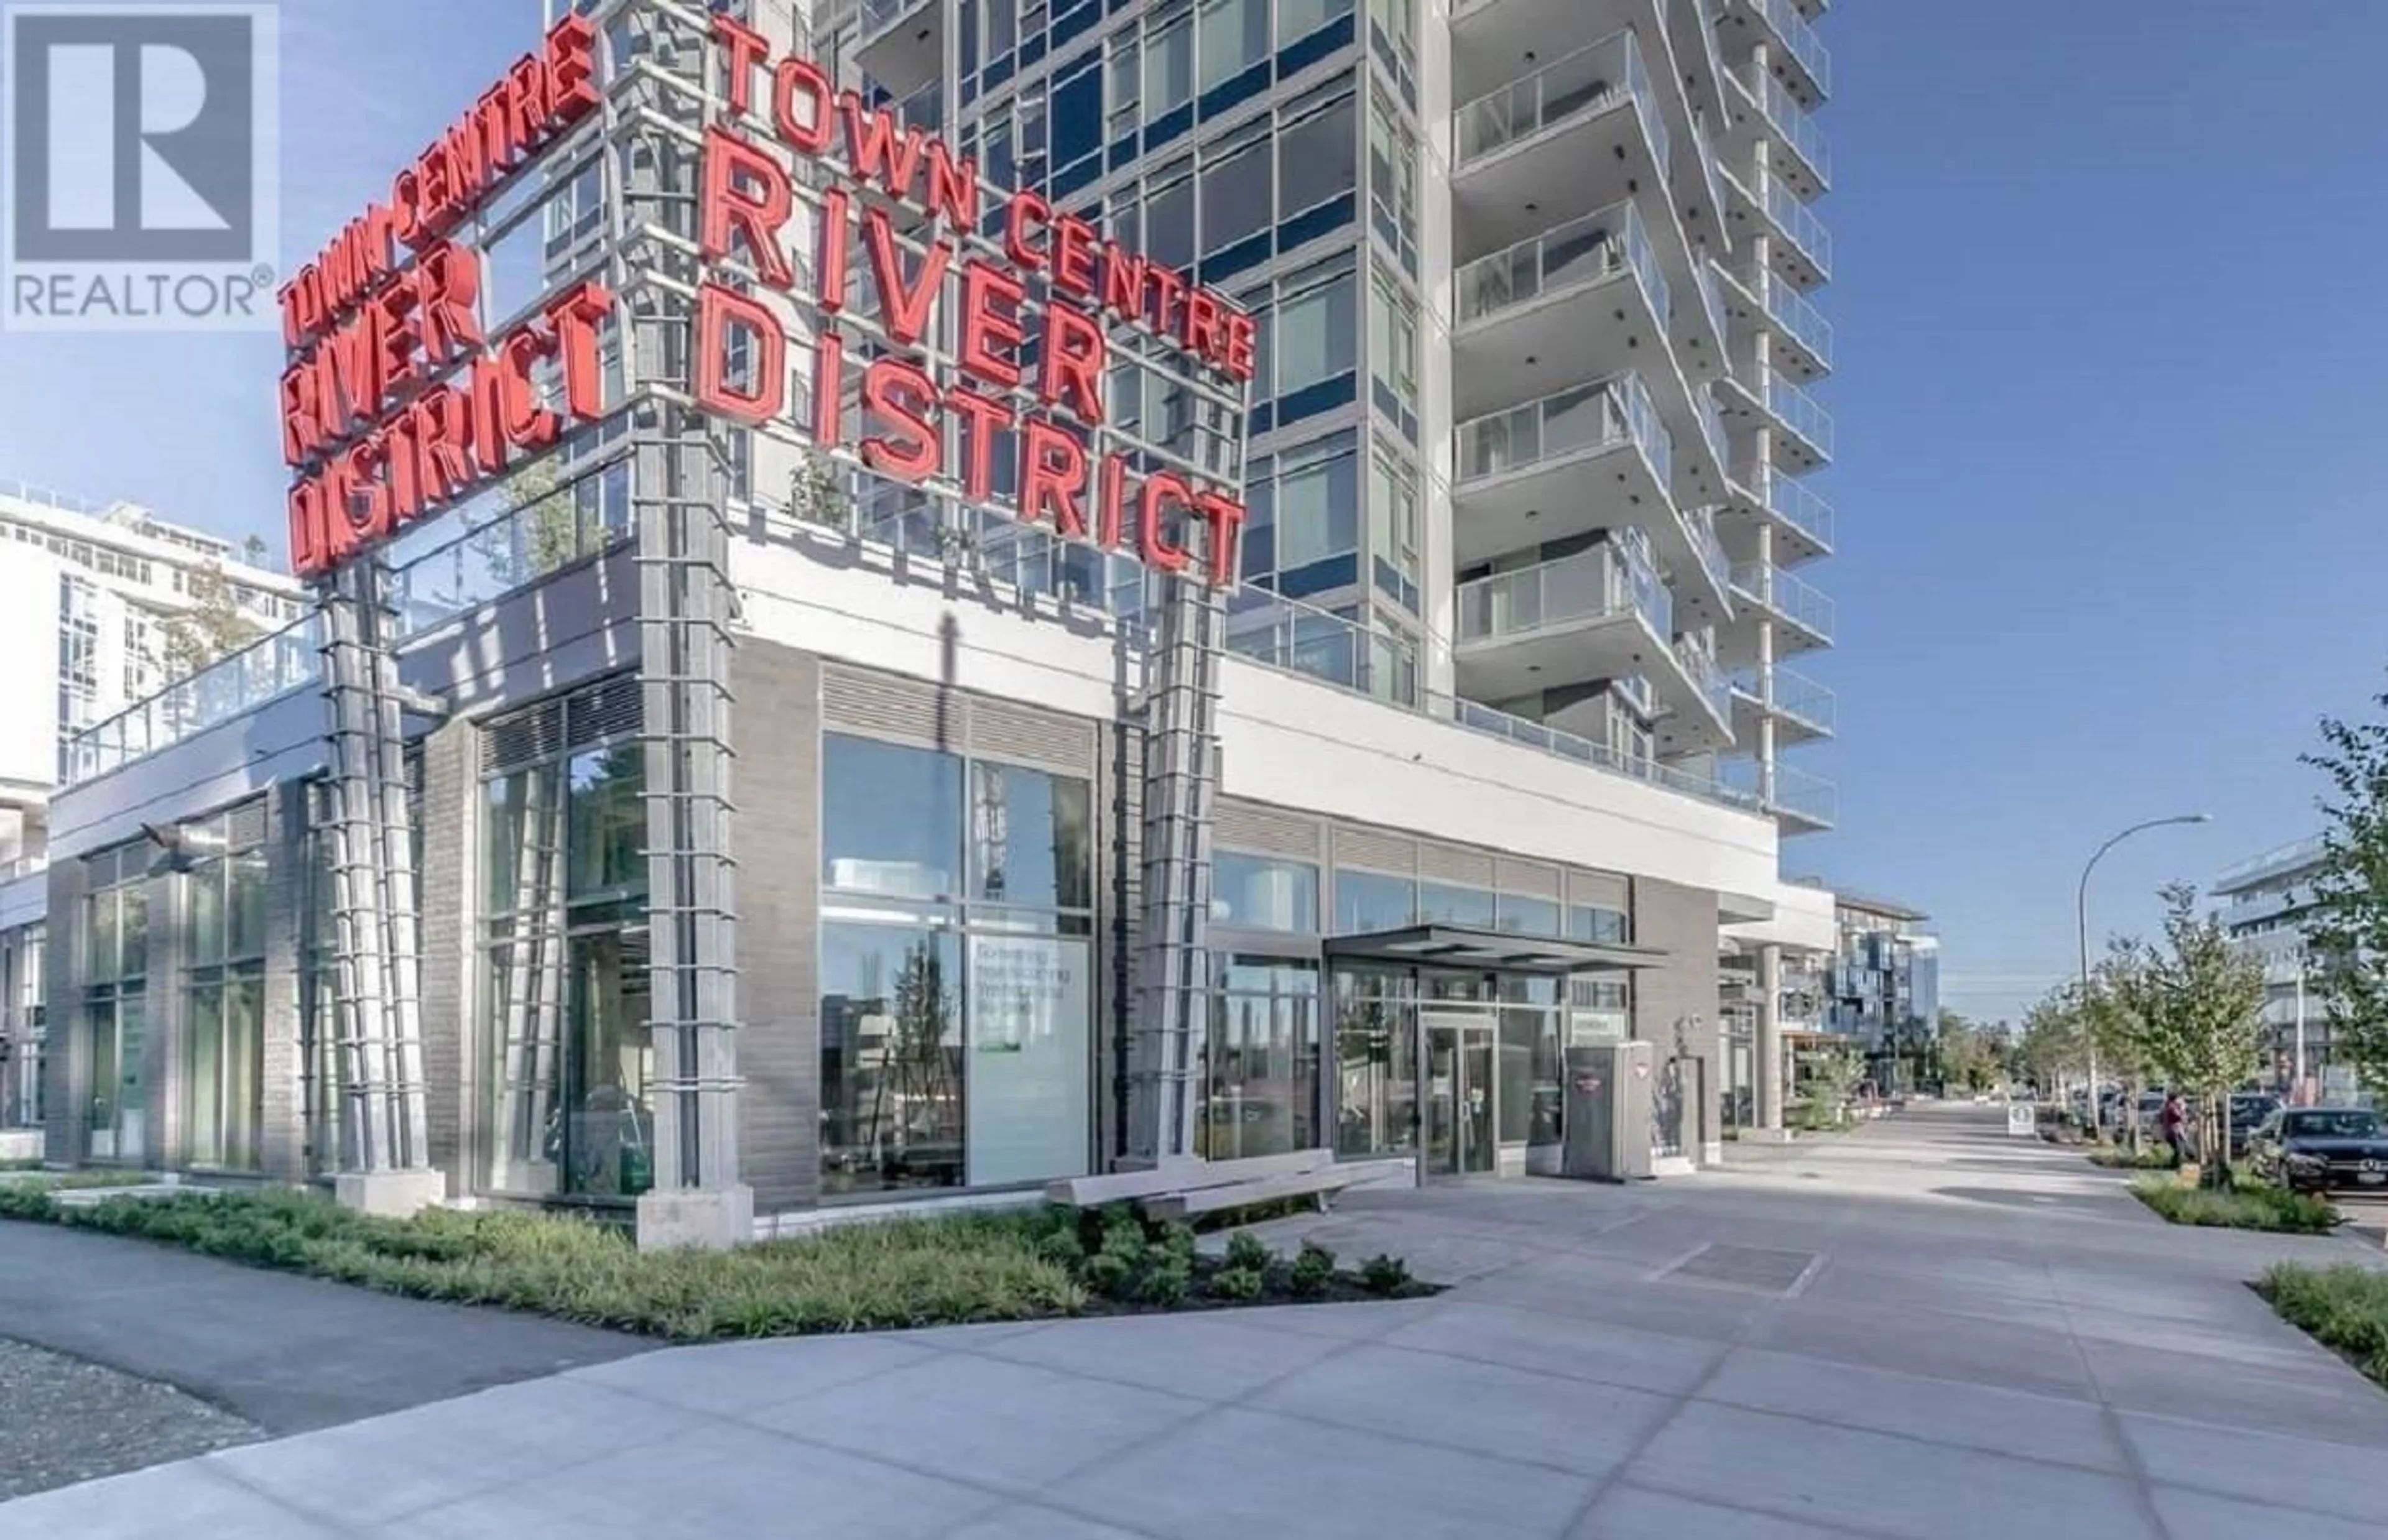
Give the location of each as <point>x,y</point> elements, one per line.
<point>1457,1090</point>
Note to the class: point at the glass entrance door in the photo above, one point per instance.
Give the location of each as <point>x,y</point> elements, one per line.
<point>1455,1095</point>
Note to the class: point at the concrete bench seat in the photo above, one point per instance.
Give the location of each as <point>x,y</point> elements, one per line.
<point>1322,1183</point>
<point>1181,1176</point>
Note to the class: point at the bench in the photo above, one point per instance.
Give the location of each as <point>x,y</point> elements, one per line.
<point>1322,1184</point>
<point>1180,1176</point>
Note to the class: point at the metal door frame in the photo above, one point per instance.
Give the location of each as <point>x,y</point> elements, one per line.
<point>1461,1024</point>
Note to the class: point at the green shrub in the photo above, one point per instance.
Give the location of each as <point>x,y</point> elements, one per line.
<point>1166,1283</point>
<point>2344,1307</point>
<point>2246,1206</point>
<point>2151,1157</point>
<point>1107,1274</point>
<point>1237,1283</point>
<point>1247,1251</point>
<point>1312,1272</point>
<point>1385,1275</point>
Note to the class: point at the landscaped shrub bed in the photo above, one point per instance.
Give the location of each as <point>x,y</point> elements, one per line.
<point>939,1270</point>
<point>2343,1307</point>
<point>2247,1206</point>
<point>2149,1158</point>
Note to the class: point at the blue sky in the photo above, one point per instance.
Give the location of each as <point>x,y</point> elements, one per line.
<point>2109,338</point>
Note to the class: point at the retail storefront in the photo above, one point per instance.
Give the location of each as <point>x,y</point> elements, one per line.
<point>455,882</point>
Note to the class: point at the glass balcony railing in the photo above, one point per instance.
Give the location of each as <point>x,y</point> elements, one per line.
<point>1582,417</point>
<point>1786,595</point>
<point>231,686</point>
<point>1798,35</point>
<point>1700,666</point>
<point>1795,124</point>
<point>1789,500</point>
<point>1700,524</point>
<point>1712,291</point>
<point>1793,312</point>
<point>1712,424</point>
<point>1808,797</point>
<point>1292,637</point>
<point>1794,694</point>
<point>880,15</point>
<point>1606,580</point>
<point>1798,223</point>
<point>1797,411</point>
<point>442,574</point>
<point>22,867</point>
<point>1588,81</point>
<point>1598,246</point>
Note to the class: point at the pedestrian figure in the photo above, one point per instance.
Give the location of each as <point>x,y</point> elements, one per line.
<point>2174,1120</point>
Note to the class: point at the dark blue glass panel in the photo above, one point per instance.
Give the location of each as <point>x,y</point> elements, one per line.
<point>1336,571</point>
<point>1031,49</point>
<point>1326,396</point>
<point>1071,24</point>
<point>1305,52</point>
<point>1247,252</point>
<point>1077,116</point>
<point>1069,179</point>
<point>999,70</point>
<point>1242,88</point>
<point>1168,126</point>
<point>1327,217</point>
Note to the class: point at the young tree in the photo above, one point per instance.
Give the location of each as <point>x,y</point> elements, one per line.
<point>215,626</point>
<point>2199,1000</point>
<point>2112,1020</point>
<point>2052,1046</point>
<point>2346,938</point>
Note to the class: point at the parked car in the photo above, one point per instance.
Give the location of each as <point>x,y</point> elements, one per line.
<point>2322,1149</point>
<point>2248,1111</point>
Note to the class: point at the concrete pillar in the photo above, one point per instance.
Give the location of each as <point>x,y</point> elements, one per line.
<point>1769,1047</point>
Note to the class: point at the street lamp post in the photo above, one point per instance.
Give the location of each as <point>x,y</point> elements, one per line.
<point>2081,917</point>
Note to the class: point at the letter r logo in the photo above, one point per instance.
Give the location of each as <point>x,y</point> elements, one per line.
<point>132,133</point>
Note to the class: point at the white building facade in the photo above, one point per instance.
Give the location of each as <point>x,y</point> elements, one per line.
<point>2264,903</point>
<point>1470,798</point>
<point>90,595</point>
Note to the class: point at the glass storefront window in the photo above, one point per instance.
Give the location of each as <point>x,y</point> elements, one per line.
<point>114,1019</point>
<point>1531,1102</point>
<point>1263,893</point>
<point>957,1024</point>
<point>1375,1063</point>
<point>1598,926</point>
<point>605,792</point>
<point>1366,902</point>
<point>891,819</point>
<point>1442,904</point>
<point>1527,917</point>
<point>1032,838</point>
<point>891,1071</point>
<point>1260,1062</point>
<point>565,960</point>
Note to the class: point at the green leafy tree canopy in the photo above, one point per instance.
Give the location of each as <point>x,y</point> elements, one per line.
<point>2346,936</point>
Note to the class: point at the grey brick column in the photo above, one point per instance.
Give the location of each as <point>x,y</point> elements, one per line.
<point>451,1048</point>
<point>282,1072</point>
<point>66,1065</point>
<point>778,935</point>
<point>1681,922</point>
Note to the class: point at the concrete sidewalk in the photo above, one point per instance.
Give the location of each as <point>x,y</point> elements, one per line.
<point>1922,1330</point>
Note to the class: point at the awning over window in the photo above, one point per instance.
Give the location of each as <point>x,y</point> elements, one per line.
<point>1463,946</point>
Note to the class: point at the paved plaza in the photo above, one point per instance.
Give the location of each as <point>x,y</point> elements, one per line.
<point>1922,1330</point>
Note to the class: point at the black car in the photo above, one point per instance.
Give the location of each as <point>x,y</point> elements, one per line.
<point>2323,1149</point>
<point>2249,1111</point>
